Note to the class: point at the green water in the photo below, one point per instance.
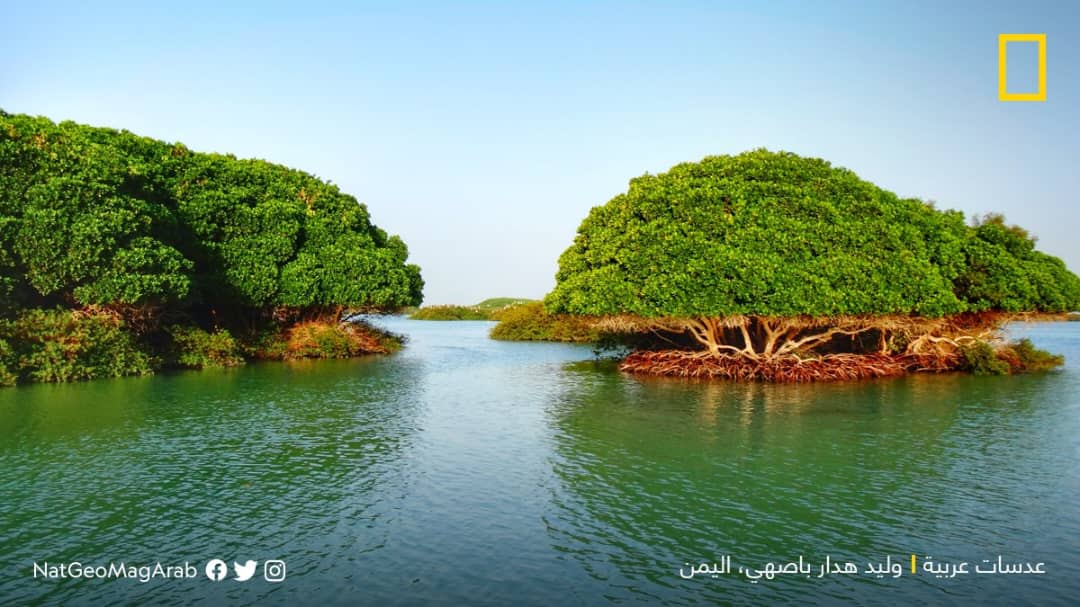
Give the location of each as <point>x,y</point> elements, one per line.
<point>468,471</point>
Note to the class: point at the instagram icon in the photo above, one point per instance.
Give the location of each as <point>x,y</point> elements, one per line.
<point>274,571</point>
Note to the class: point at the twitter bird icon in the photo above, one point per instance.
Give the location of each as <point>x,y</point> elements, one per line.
<point>245,571</point>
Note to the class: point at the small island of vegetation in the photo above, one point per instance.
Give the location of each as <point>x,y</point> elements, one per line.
<point>518,320</point>
<point>771,266</point>
<point>531,322</point>
<point>485,310</point>
<point>121,255</point>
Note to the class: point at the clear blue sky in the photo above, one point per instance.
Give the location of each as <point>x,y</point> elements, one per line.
<point>482,132</point>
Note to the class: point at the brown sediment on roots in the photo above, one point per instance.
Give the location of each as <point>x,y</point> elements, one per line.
<point>804,348</point>
<point>831,367</point>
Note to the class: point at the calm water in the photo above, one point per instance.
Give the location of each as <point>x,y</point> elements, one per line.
<point>468,471</point>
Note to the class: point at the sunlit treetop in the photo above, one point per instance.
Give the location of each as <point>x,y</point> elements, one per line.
<point>775,234</point>
<point>98,216</point>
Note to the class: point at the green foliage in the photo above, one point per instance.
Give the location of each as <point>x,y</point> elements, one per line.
<point>317,340</point>
<point>330,342</point>
<point>1030,359</point>
<point>63,345</point>
<point>1020,356</point>
<point>95,218</point>
<point>485,310</point>
<point>195,348</point>
<point>449,312</point>
<point>268,235</point>
<point>980,358</point>
<point>775,234</point>
<point>531,322</point>
<point>8,364</point>
<point>98,216</point>
<point>268,343</point>
<point>326,339</point>
<point>1005,272</point>
<point>81,225</point>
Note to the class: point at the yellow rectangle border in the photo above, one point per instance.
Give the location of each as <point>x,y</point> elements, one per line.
<point>1003,53</point>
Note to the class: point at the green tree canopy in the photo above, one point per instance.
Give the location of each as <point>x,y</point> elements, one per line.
<point>98,216</point>
<point>775,234</point>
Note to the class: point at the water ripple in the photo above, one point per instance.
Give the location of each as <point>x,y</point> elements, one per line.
<point>468,471</point>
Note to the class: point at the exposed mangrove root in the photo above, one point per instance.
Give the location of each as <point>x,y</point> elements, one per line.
<point>803,348</point>
<point>783,369</point>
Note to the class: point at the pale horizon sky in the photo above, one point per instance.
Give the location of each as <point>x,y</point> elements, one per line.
<point>483,132</point>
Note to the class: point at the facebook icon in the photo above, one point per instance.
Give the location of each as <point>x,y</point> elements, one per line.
<point>216,570</point>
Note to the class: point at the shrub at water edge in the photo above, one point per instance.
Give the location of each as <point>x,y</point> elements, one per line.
<point>531,322</point>
<point>68,345</point>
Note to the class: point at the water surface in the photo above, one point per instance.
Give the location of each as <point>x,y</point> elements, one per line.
<point>469,471</point>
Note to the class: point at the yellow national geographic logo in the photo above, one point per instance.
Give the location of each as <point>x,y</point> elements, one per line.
<point>1003,55</point>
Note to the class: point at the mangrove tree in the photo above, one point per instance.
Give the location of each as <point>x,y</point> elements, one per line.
<point>155,254</point>
<point>767,265</point>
